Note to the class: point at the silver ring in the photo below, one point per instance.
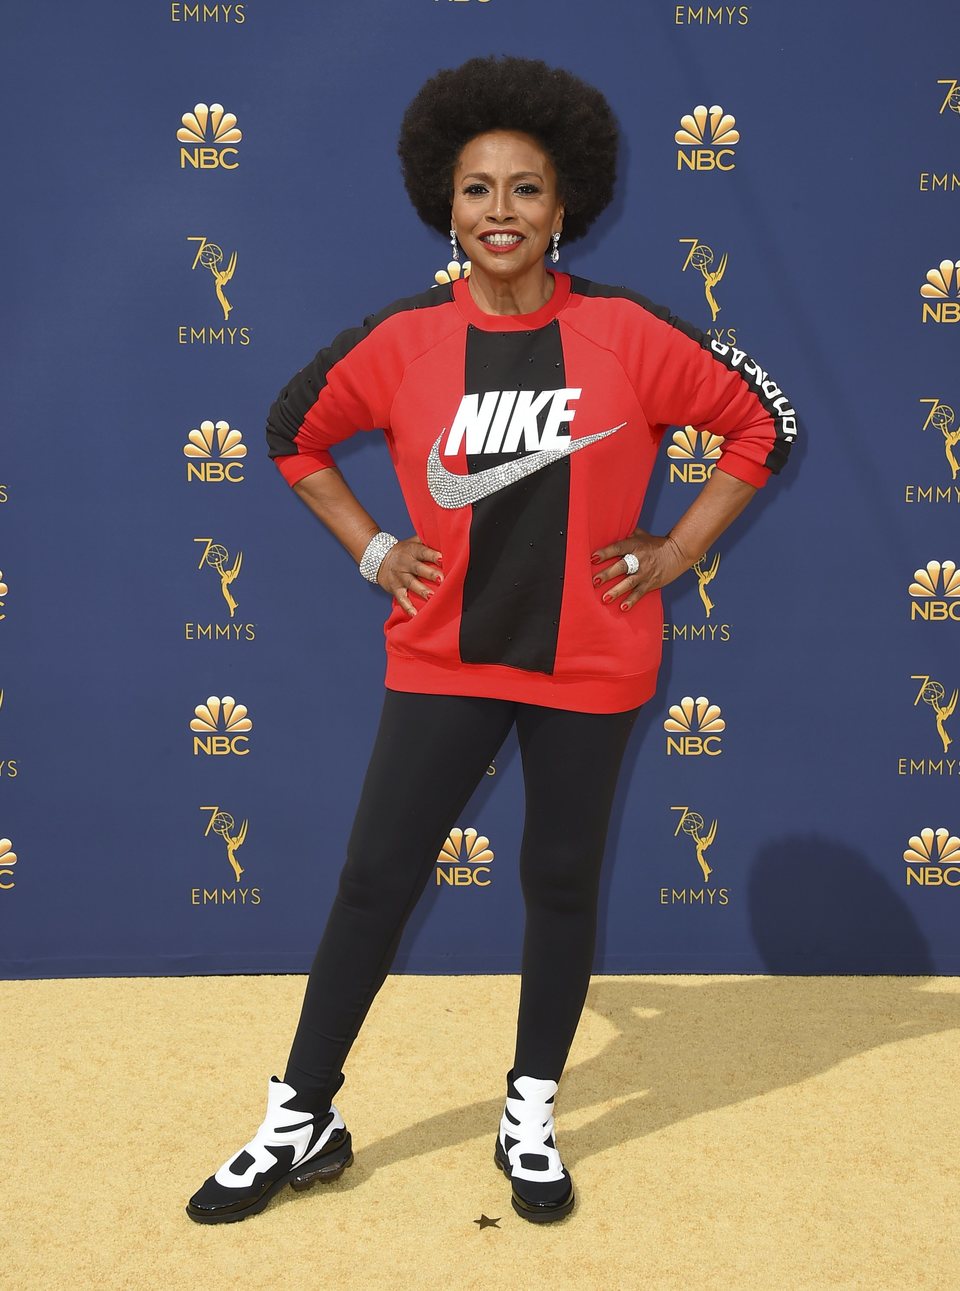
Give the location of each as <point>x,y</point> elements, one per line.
<point>631,562</point>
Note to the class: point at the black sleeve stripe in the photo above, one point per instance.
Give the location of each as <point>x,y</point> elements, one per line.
<point>771,397</point>
<point>295,400</point>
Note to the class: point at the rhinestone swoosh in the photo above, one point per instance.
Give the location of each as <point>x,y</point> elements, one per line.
<point>452,491</point>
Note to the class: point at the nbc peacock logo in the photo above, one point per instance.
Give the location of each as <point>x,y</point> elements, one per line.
<point>936,592</point>
<point>207,136</point>
<point>215,453</point>
<point>464,860</point>
<point>933,859</point>
<point>693,454</point>
<point>694,727</point>
<point>941,293</point>
<point>221,727</point>
<point>8,859</point>
<point>707,137</point>
<point>453,271</point>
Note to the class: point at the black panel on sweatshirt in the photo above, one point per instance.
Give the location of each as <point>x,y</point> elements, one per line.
<point>513,588</point>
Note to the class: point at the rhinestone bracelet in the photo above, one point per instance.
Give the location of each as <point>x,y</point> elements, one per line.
<point>372,558</point>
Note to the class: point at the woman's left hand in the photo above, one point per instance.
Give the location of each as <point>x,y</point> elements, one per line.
<point>661,561</point>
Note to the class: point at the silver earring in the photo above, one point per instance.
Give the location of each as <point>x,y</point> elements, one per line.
<point>453,243</point>
<point>555,254</point>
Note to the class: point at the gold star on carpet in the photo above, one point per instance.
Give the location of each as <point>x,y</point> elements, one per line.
<point>484,1222</point>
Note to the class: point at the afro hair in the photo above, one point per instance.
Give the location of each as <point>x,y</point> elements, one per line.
<point>571,121</point>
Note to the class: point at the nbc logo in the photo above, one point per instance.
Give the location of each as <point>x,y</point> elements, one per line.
<point>8,859</point>
<point>693,454</point>
<point>694,726</point>
<point>464,860</point>
<point>930,589</point>
<point>221,726</point>
<point>211,131</point>
<point>933,859</point>
<point>215,453</point>
<point>941,284</point>
<point>453,271</point>
<point>4,589</point>
<point>709,136</point>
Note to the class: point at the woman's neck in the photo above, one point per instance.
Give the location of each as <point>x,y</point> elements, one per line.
<point>504,296</point>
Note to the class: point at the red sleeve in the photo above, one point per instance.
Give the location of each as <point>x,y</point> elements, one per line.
<point>686,378</point>
<point>348,386</point>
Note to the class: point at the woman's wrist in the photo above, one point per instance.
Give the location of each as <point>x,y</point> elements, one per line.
<point>373,554</point>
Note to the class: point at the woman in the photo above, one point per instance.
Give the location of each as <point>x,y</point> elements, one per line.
<point>523,409</point>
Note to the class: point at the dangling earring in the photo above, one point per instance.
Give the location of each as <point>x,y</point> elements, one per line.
<point>453,243</point>
<point>555,254</point>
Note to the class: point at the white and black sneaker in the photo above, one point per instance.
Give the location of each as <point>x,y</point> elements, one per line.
<point>527,1153</point>
<point>290,1146</point>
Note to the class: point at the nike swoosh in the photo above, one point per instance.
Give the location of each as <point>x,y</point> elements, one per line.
<point>451,491</point>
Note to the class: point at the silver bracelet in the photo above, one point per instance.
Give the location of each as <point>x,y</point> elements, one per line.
<point>372,558</point>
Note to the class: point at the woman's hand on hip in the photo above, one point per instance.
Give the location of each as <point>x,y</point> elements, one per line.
<point>661,561</point>
<point>404,568</point>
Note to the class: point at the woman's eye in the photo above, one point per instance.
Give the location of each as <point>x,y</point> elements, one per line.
<point>527,189</point>
<point>473,189</point>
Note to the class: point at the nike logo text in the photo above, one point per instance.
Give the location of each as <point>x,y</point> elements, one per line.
<point>499,420</point>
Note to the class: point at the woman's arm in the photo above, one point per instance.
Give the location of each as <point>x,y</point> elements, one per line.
<point>662,559</point>
<point>331,500</point>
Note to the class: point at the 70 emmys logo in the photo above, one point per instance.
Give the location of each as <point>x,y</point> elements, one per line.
<point>222,823</point>
<point>933,693</point>
<point>710,135</point>
<point>701,257</point>
<point>698,725</point>
<point>951,100</point>
<point>4,589</point>
<point>206,724</point>
<point>210,130</point>
<point>216,556</point>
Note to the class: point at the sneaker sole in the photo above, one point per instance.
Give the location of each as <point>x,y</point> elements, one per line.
<point>539,1215</point>
<point>300,1179</point>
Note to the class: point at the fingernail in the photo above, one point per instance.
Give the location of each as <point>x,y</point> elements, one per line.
<point>439,559</point>
<point>606,597</point>
<point>625,606</point>
<point>594,559</point>
<point>596,581</point>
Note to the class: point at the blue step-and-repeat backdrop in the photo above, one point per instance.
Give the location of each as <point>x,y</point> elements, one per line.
<point>191,669</point>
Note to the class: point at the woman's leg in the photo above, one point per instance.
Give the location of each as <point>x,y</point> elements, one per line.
<point>430,753</point>
<point>571,762</point>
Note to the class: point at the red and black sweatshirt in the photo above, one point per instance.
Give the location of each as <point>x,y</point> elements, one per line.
<point>523,443</point>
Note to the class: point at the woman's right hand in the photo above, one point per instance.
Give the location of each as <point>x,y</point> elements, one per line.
<point>403,568</point>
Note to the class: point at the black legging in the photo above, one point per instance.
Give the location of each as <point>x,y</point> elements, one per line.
<point>430,754</point>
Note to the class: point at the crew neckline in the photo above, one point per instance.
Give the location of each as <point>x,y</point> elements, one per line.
<point>512,322</point>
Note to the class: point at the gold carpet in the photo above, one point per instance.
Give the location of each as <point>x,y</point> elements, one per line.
<point>722,1132</point>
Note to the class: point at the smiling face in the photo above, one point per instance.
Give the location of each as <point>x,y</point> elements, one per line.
<point>505,205</point>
